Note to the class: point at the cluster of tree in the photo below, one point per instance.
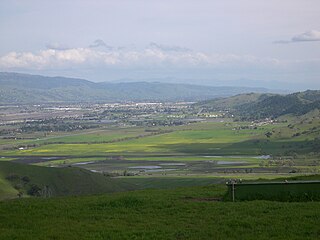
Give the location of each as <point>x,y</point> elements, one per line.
<point>24,185</point>
<point>163,122</point>
<point>55,126</point>
<point>277,163</point>
<point>117,174</point>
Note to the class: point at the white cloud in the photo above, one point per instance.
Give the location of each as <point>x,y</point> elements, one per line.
<point>154,55</point>
<point>57,46</point>
<point>312,35</point>
<point>309,36</point>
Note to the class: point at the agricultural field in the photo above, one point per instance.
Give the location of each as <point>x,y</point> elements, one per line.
<point>202,138</point>
<point>208,148</point>
<point>99,135</point>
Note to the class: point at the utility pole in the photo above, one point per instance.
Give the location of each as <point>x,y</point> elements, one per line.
<point>232,191</point>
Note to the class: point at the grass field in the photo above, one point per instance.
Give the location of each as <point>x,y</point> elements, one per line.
<point>84,136</point>
<point>100,135</point>
<point>183,213</point>
<point>214,142</point>
<point>169,182</point>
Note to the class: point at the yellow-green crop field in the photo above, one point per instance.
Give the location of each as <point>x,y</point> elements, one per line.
<point>197,139</point>
<point>215,135</point>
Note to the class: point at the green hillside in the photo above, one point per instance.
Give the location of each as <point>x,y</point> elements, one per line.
<point>232,102</point>
<point>7,191</point>
<point>258,106</point>
<point>184,213</point>
<point>274,106</point>
<point>47,182</point>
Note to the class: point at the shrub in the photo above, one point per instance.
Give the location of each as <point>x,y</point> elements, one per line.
<point>34,190</point>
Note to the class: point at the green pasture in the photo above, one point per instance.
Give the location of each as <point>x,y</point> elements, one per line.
<point>168,182</point>
<point>206,139</point>
<point>171,159</point>
<point>229,175</point>
<point>70,161</point>
<point>170,144</point>
<point>4,141</point>
<point>96,136</point>
<point>85,136</point>
<point>186,158</point>
<point>6,159</point>
<point>216,141</point>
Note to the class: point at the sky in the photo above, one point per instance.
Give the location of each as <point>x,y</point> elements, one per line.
<point>272,43</point>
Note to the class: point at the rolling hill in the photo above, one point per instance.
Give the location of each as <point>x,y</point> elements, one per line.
<point>183,213</point>
<point>232,102</point>
<point>43,181</point>
<point>258,106</point>
<point>25,88</point>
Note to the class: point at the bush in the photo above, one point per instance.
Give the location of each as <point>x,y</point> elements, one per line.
<point>25,179</point>
<point>13,177</point>
<point>34,191</point>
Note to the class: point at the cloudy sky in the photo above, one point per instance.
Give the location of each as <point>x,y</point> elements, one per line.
<point>219,42</point>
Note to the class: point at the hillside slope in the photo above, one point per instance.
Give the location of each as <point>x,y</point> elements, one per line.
<point>258,106</point>
<point>184,213</point>
<point>277,105</point>
<point>232,102</point>
<point>45,181</point>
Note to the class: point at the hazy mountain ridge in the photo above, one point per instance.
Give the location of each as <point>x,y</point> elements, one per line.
<point>25,88</point>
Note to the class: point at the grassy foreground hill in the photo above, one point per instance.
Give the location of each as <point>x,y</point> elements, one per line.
<point>183,213</point>
<point>47,182</point>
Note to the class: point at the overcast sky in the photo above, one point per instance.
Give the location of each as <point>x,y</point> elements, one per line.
<point>227,42</point>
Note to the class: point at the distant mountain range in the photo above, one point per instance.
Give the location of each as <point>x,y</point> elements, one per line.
<point>257,105</point>
<point>25,88</point>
